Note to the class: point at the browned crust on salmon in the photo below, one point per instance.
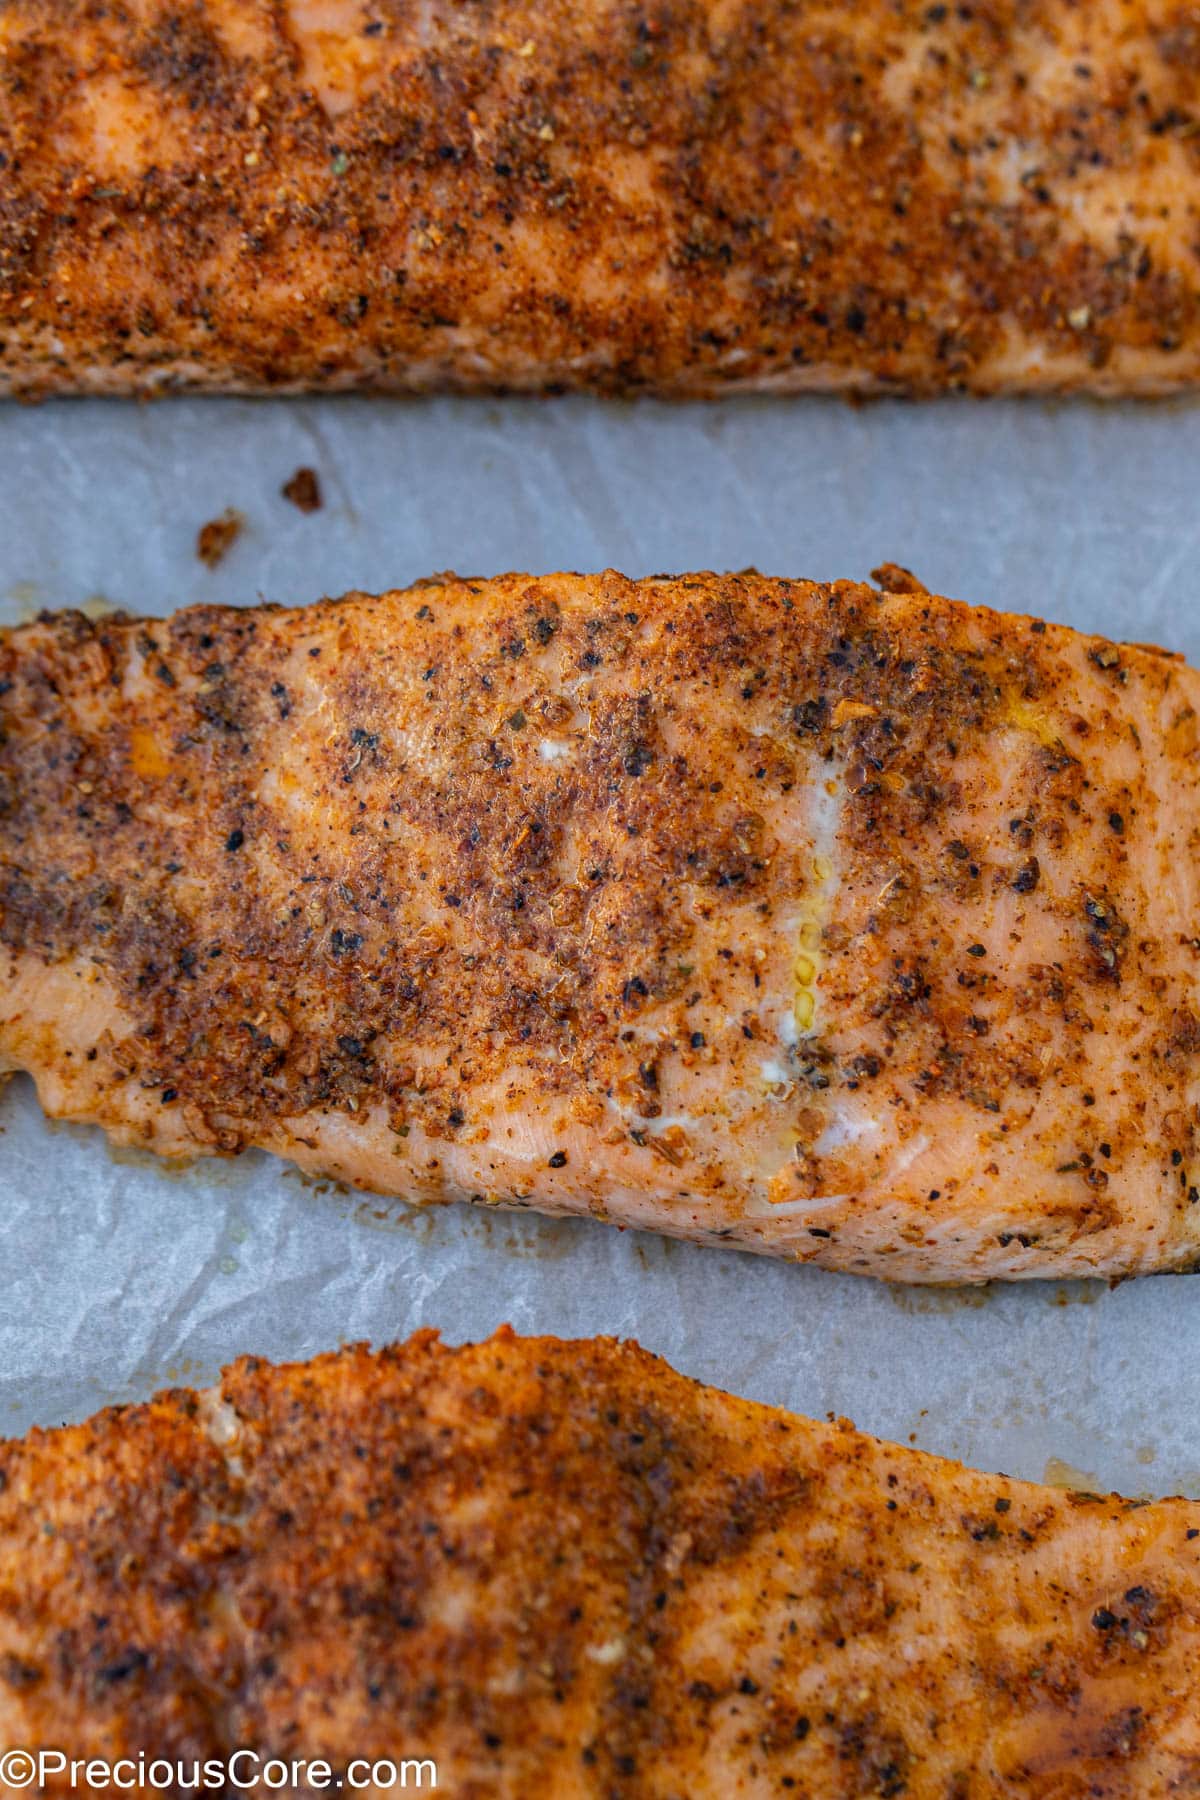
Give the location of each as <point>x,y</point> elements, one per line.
<point>849,926</point>
<point>688,198</point>
<point>562,1568</point>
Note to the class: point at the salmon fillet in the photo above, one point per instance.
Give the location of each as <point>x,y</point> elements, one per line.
<point>855,926</point>
<point>560,1568</point>
<point>686,198</point>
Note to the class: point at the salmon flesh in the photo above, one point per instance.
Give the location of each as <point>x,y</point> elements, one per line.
<point>855,926</point>
<point>560,1568</point>
<point>689,198</point>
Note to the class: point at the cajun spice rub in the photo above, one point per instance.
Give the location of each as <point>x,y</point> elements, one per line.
<point>561,1568</point>
<point>857,927</point>
<point>685,198</point>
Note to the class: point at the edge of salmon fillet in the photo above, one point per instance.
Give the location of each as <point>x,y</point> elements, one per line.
<point>855,926</point>
<point>562,1563</point>
<point>714,198</point>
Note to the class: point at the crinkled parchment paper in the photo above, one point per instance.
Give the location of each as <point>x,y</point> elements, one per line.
<point>119,1276</point>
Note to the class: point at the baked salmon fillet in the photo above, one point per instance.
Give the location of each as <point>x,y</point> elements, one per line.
<point>686,198</point>
<point>560,1568</point>
<point>856,926</point>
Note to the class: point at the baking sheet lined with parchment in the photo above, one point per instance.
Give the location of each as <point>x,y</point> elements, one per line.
<point>118,1276</point>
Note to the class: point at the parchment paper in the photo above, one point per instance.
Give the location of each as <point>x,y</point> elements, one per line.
<point>117,1277</point>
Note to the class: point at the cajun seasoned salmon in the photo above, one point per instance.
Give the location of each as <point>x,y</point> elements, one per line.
<point>560,1568</point>
<point>687,198</point>
<point>856,926</point>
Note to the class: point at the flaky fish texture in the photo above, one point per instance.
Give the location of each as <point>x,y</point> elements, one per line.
<point>859,927</point>
<point>560,1568</point>
<point>686,198</point>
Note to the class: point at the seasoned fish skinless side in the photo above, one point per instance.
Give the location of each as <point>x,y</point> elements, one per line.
<point>562,1568</point>
<point>858,927</point>
<point>690,199</point>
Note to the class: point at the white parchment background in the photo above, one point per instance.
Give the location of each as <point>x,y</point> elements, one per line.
<point>117,1277</point>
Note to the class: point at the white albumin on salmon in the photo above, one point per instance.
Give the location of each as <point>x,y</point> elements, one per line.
<point>562,1569</point>
<point>851,926</point>
<point>692,198</point>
